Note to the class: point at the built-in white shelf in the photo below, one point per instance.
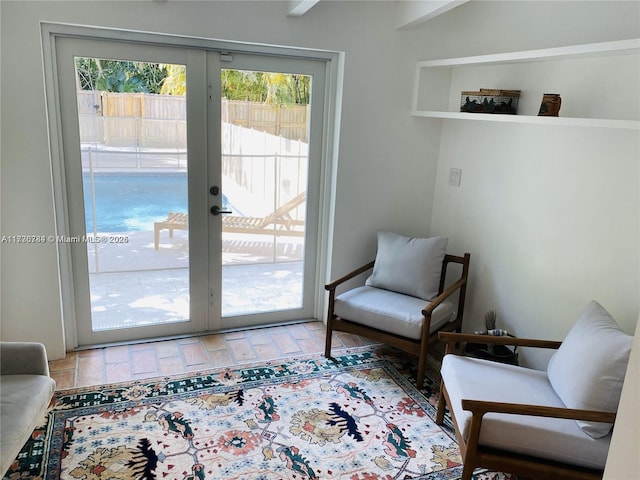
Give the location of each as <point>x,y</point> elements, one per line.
<point>437,90</point>
<point>559,121</point>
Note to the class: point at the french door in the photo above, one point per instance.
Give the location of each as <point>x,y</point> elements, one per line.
<point>268,169</point>
<point>187,211</point>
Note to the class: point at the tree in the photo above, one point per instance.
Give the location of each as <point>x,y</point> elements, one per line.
<point>175,83</point>
<point>266,87</point>
<point>125,76</point>
<point>241,85</point>
<point>119,76</point>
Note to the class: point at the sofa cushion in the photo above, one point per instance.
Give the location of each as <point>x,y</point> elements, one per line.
<point>555,439</point>
<point>588,369</point>
<point>408,265</point>
<point>23,401</point>
<point>390,311</point>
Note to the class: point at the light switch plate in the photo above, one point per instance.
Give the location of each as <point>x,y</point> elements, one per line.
<point>454,176</point>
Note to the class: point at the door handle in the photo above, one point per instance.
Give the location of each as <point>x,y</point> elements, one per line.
<point>215,210</point>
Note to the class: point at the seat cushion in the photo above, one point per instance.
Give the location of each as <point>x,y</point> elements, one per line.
<point>588,370</point>
<point>390,311</point>
<point>408,265</point>
<point>23,402</point>
<point>550,438</point>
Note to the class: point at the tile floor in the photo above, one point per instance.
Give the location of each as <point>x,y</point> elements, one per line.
<point>147,360</point>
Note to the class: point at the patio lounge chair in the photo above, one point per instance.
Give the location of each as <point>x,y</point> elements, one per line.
<point>175,221</point>
<point>280,222</point>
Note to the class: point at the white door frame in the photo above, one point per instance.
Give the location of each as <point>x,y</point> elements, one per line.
<point>331,123</point>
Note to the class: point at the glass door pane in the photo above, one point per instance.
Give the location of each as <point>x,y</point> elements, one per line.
<point>265,176</point>
<point>269,185</point>
<point>132,122</point>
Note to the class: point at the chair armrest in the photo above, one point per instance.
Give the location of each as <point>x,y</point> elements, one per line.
<point>451,338</point>
<point>480,407</point>
<point>428,310</point>
<point>23,358</point>
<point>349,276</point>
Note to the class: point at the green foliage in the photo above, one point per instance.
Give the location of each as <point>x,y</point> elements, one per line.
<point>120,76</point>
<point>125,76</point>
<point>266,87</point>
<point>119,81</point>
<point>175,83</point>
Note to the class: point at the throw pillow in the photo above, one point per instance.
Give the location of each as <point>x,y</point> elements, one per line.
<point>588,369</point>
<point>408,265</point>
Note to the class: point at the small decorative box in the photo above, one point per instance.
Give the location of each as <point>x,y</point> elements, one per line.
<point>490,101</point>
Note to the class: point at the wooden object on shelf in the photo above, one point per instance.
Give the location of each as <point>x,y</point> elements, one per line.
<point>550,106</point>
<point>444,68</point>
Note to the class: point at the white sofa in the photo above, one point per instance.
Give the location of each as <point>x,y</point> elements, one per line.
<point>25,392</point>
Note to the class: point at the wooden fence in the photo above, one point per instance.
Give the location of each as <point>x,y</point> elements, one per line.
<point>280,120</point>
<point>159,121</point>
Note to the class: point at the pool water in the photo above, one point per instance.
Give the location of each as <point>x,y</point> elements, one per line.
<point>133,202</point>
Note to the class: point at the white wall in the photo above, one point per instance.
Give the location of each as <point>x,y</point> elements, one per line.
<point>550,215</point>
<point>382,149</point>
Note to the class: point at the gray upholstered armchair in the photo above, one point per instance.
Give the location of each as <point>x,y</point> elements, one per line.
<point>539,424</point>
<point>25,392</point>
<point>406,300</point>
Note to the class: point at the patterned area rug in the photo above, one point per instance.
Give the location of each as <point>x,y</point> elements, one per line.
<point>358,418</point>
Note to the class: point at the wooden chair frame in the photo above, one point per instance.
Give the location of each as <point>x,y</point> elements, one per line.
<point>416,347</point>
<point>475,455</point>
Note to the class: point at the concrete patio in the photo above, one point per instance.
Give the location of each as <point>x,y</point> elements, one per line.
<point>132,284</point>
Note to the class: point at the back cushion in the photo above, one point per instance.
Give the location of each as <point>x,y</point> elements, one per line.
<point>588,369</point>
<point>408,265</point>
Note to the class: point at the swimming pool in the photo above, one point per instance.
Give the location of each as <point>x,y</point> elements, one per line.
<point>133,202</point>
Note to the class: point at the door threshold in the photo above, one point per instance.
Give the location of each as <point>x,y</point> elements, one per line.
<point>192,335</point>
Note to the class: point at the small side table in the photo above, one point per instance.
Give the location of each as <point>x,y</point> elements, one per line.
<point>499,353</point>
